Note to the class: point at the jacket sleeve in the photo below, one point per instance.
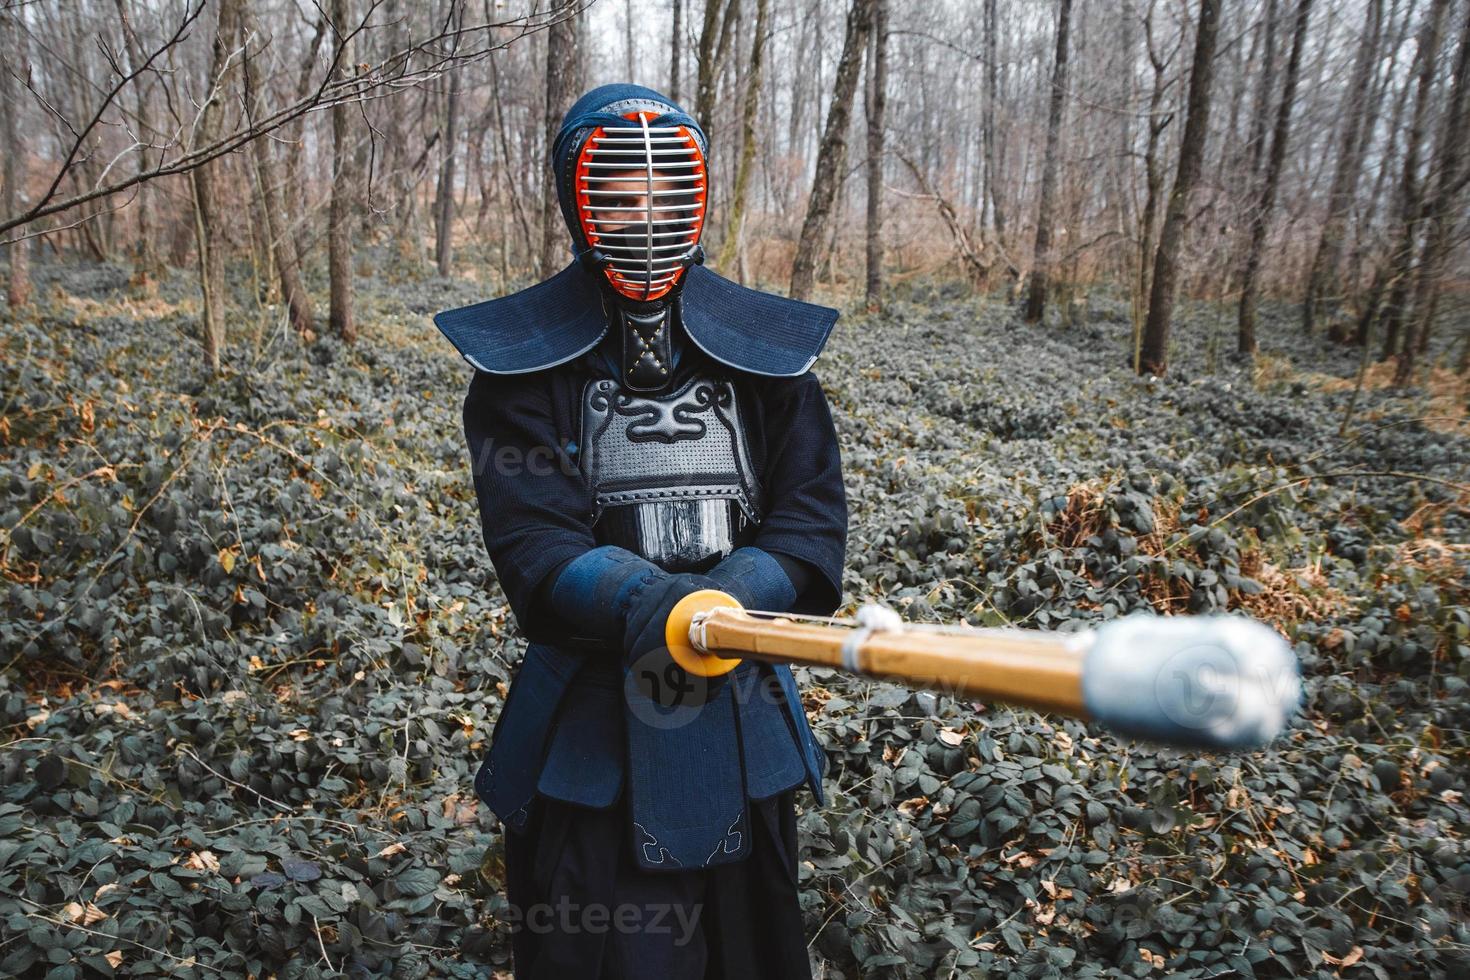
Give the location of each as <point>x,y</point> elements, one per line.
<point>535,509</point>
<point>806,506</point>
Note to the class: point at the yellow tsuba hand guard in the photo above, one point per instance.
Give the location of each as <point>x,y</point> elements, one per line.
<point>676,633</point>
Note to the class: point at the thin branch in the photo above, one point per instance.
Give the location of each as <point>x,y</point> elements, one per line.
<point>39,208</point>
<point>331,92</point>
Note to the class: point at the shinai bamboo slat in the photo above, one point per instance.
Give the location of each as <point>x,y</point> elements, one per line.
<point>1037,672</point>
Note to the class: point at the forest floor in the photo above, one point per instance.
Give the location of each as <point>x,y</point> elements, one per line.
<point>249,660</point>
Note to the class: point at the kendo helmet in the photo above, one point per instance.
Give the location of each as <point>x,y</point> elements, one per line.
<point>633,184</point>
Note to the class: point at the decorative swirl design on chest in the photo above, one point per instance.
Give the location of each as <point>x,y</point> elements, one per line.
<point>656,421</point>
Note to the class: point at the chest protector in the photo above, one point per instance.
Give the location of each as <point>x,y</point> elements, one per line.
<point>670,474</point>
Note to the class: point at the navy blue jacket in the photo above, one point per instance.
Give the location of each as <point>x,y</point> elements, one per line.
<point>561,732</point>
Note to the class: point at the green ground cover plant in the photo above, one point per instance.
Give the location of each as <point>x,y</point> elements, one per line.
<point>251,651</point>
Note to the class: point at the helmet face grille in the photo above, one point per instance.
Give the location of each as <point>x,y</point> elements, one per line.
<point>641,193</point>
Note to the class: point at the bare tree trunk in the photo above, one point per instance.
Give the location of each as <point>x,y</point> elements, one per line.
<point>675,49</point>
<point>1372,300</point>
<point>1411,191</point>
<point>1429,312</point>
<point>734,232</point>
<point>801,89</point>
<point>992,167</point>
<point>732,93</point>
<point>1321,281</point>
<point>1241,65</point>
<point>86,171</point>
<point>1440,212</point>
<point>444,199</point>
<point>294,186</point>
<point>14,65</point>
<point>1257,141</point>
<point>704,64</point>
<point>1046,212</point>
<point>1261,219</point>
<point>714,46</point>
<point>1154,357</point>
<point>629,69</point>
<point>1122,171</point>
<point>831,156</point>
<point>563,74</point>
<point>146,257</point>
<point>344,184</point>
<point>479,176</point>
<point>399,122</point>
<point>282,245</point>
<point>205,182</point>
<point>1158,121</point>
<point>503,134</point>
<point>877,102</point>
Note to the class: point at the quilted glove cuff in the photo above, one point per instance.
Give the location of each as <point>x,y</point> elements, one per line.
<point>594,592</point>
<point>756,578</point>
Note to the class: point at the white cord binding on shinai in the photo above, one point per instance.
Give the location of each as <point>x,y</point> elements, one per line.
<point>871,618</point>
<point>696,630</point>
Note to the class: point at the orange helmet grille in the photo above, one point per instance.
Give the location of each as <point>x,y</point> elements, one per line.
<point>641,193</point>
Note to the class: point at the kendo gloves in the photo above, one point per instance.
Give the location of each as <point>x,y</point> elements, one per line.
<point>759,579</point>
<point>612,597</point>
<point>646,655</point>
<point>590,595</point>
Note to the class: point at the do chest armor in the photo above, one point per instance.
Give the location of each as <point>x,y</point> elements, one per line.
<point>670,473</point>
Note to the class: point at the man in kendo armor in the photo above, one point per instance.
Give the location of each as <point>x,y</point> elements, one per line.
<point>641,428</point>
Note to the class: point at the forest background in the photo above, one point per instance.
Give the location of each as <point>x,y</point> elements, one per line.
<point>1302,150</point>
<point>1154,304</point>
